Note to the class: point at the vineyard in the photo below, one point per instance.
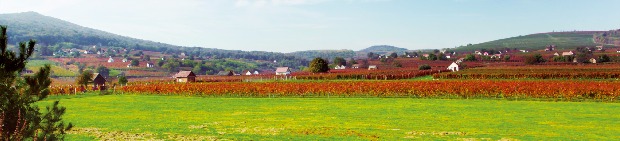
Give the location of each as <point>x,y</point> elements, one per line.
<point>606,91</point>
<point>609,71</point>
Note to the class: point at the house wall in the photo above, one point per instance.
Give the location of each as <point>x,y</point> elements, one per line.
<point>181,79</point>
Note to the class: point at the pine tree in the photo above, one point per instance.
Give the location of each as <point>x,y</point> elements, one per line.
<point>20,117</point>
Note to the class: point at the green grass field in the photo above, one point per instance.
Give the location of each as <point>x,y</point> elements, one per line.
<point>34,65</point>
<point>137,117</point>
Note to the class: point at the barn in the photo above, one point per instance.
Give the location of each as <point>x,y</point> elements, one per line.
<point>185,76</point>
<point>98,82</point>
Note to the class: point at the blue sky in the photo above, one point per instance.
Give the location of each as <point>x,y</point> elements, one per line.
<point>296,25</point>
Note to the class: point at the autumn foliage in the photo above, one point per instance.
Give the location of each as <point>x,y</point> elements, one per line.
<point>607,91</point>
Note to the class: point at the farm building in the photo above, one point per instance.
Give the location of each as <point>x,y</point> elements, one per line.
<point>246,72</point>
<point>185,76</point>
<point>283,71</point>
<point>98,81</point>
<point>453,67</point>
<point>226,73</point>
<point>372,67</point>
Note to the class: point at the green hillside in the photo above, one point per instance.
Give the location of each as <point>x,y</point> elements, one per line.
<point>50,31</point>
<point>326,54</point>
<point>563,40</point>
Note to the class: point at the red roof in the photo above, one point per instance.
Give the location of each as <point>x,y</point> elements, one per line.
<point>183,74</point>
<point>282,69</point>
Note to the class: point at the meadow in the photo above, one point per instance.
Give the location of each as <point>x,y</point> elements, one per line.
<point>156,117</point>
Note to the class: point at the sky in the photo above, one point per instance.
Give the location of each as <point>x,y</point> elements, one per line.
<point>297,25</point>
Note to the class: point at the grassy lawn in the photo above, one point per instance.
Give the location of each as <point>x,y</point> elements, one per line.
<point>131,117</point>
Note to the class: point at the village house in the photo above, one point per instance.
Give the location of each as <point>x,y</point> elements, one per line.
<point>129,65</point>
<point>599,48</point>
<point>283,71</point>
<point>355,66</point>
<point>110,60</point>
<point>125,60</point>
<point>570,53</point>
<point>550,48</point>
<point>485,54</point>
<point>185,76</point>
<point>246,72</point>
<point>149,65</point>
<point>98,82</point>
<point>226,73</point>
<point>496,56</point>
<point>340,67</point>
<point>256,73</point>
<point>592,60</point>
<point>524,51</point>
<point>453,67</point>
<point>372,67</point>
<point>556,54</point>
<point>460,60</point>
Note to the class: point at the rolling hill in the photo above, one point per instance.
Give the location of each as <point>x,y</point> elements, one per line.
<point>563,40</point>
<point>326,54</point>
<point>49,31</point>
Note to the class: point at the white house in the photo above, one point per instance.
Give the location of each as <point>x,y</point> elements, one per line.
<point>283,71</point>
<point>149,65</point>
<point>570,53</point>
<point>355,66</point>
<point>340,67</point>
<point>129,65</point>
<point>372,67</point>
<point>453,67</point>
<point>124,60</point>
<point>256,73</point>
<point>556,54</point>
<point>246,72</point>
<point>110,60</point>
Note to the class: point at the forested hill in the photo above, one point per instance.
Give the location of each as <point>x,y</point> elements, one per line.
<point>326,54</point>
<point>383,49</point>
<point>49,31</point>
<point>563,40</point>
